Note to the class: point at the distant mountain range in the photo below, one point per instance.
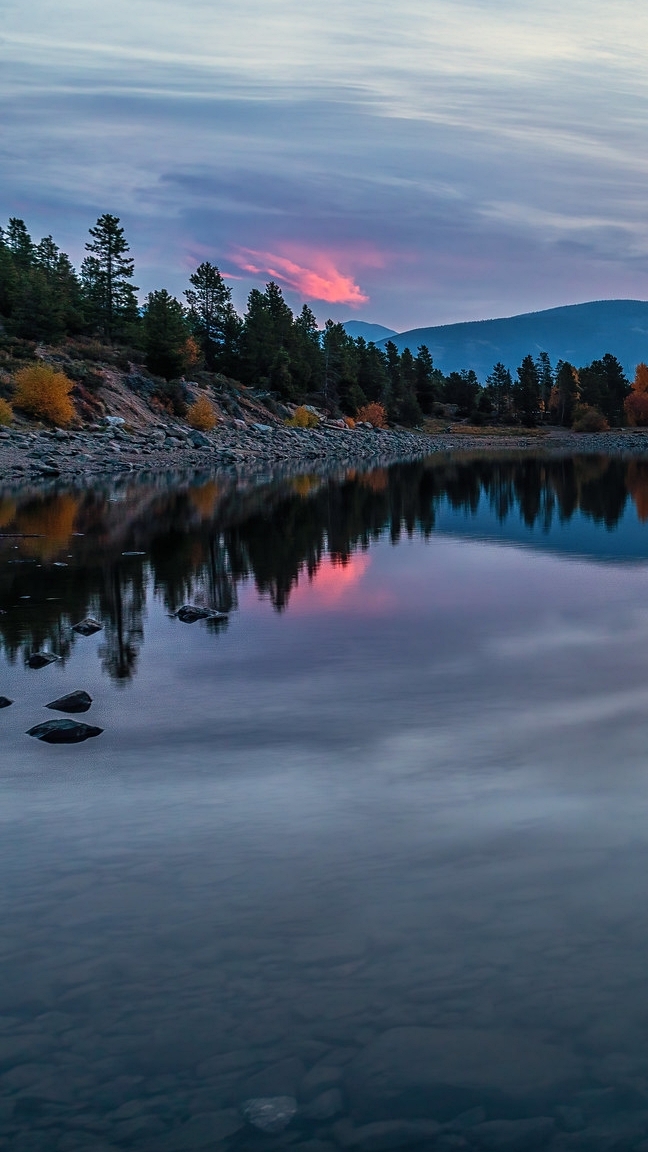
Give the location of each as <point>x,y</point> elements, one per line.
<point>375,332</point>
<point>579,333</point>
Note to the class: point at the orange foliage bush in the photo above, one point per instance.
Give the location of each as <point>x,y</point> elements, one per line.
<point>6,413</point>
<point>373,414</point>
<point>201,415</point>
<point>349,421</point>
<point>636,409</point>
<point>191,353</point>
<point>636,404</point>
<point>42,391</point>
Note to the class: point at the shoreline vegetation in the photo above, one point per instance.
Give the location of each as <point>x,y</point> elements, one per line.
<point>93,384</point>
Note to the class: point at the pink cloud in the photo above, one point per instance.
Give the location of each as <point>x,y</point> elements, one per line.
<point>321,280</point>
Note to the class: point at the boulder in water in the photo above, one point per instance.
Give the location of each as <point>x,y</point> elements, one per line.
<point>189,613</point>
<point>73,702</point>
<point>270,1113</point>
<point>5,701</point>
<point>87,627</point>
<point>41,659</point>
<point>64,732</point>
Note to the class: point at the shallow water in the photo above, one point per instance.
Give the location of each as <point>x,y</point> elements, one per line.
<point>378,843</point>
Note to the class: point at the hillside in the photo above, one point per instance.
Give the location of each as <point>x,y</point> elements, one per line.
<point>578,332</point>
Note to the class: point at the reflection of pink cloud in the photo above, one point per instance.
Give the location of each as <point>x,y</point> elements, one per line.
<point>339,587</point>
<point>321,280</point>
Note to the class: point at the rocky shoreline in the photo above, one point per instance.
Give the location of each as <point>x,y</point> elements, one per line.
<point>32,455</point>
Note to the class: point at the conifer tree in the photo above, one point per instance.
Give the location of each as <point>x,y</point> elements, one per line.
<point>107,273</point>
<point>211,316</point>
<point>165,334</point>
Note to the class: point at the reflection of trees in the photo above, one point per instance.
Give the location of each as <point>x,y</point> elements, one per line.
<point>122,606</point>
<point>201,541</point>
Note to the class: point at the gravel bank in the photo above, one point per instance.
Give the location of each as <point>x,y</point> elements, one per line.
<point>94,453</point>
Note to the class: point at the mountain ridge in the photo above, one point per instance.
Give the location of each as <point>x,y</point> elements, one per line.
<point>579,333</point>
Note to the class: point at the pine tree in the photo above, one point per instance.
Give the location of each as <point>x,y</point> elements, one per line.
<point>165,334</point>
<point>545,374</point>
<point>499,386</point>
<point>20,244</point>
<point>428,380</point>
<point>566,393</point>
<point>106,275</point>
<point>526,390</point>
<point>212,317</point>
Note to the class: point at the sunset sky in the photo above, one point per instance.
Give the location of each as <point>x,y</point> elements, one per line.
<point>411,163</point>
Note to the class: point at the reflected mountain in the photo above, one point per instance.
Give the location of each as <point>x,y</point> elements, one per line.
<point>67,554</point>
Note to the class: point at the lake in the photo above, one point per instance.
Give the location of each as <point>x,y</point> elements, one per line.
<point>363,864</point>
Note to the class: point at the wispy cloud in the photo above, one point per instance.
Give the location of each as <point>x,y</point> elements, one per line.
<point>322,281</point>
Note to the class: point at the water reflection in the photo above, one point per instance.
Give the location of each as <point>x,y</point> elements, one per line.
<point>378,846</point>
<point>65,555</point>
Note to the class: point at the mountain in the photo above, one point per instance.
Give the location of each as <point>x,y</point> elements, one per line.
<point>368,332</point>
<point>579,333</point>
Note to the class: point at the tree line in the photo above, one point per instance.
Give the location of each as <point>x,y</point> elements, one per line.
<point>44,298</point>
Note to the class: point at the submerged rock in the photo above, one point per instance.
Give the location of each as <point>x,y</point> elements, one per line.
<point>5,701</point>
<point>270,1113</point>
<point>189,613</point>
<point>41,659</point>
<point>64,731</point>
<point>73,702</point>
<point>436,1072</point>
<point>87,627</point>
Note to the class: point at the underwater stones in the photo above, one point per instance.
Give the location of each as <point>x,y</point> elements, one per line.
<point>433,1072</point>
<point>269,1113</point>
<point>87,627</point>
<point>189,613</point>
<point>513,1135</point>
<point>5,702</point>
<point>64,732</point>
<point>73,702</point>
<point>41,659</point>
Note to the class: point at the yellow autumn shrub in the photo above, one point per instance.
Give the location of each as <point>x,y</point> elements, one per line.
<point>6,413</point>
<point>303,418</point>
<point>44,392</point>
<point>201,415</point>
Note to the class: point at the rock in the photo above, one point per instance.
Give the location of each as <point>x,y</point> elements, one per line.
<point>203,1131</point>
<point>198,440</point>
<point>262,427</point>
<point>513,1135</point>
<point>41,659</point>
<point>319,1078</point>
<point>270,1113</point>
<point>570,1119</point>
<point>189,613</point>
<point>422,1072</point>
<point>87,627</point>
<point>64,732</point>
<point>5,701</point>
<point>380,1136</point>
<point>323,1107</point>
<point>275,1080</point>
<point>114,421</point>
<point>73,702</point>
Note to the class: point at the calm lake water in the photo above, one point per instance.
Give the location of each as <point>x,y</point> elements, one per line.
<point>377,844</point>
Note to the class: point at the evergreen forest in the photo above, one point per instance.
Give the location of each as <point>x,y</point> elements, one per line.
<point>45,300</point>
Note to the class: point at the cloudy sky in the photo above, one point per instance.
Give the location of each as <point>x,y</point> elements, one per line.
<point>411,163</point>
